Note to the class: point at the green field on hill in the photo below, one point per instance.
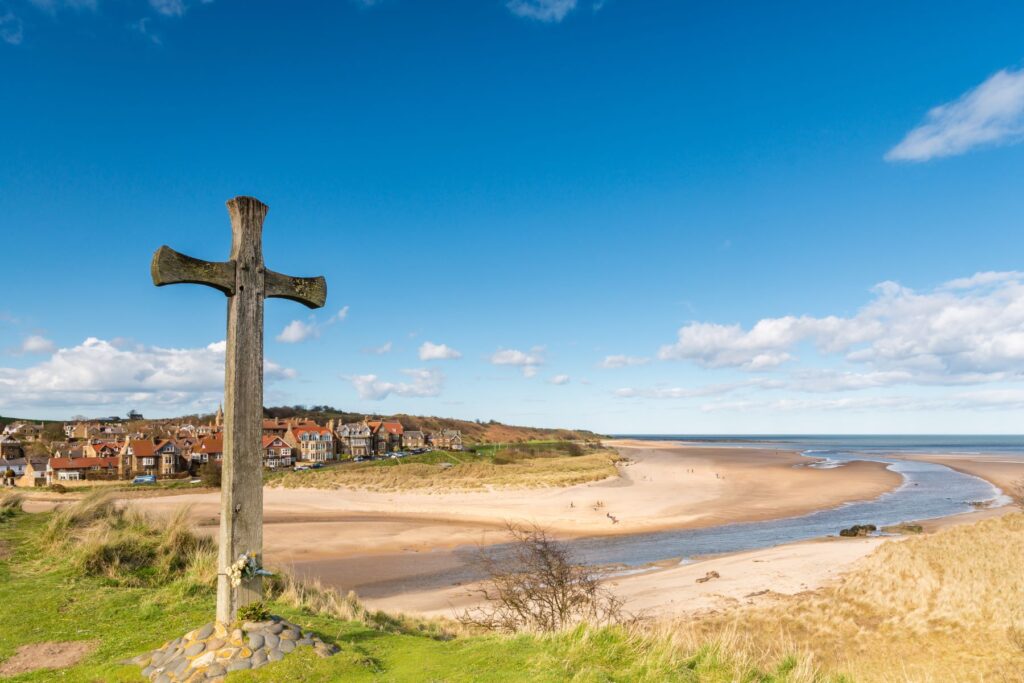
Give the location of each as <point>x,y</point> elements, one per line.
<point>127,585</point>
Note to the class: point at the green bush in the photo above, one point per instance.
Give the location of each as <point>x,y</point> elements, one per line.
<point>254,611</point>
<point>210,475</point>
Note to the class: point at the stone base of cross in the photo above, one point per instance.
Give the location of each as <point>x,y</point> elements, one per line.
<point>246,282</point>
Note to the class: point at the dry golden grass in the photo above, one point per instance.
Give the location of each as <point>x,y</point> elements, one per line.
<point>944,607</point>
<point>477,475</point>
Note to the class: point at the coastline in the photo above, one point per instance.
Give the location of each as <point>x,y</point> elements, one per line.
<point>409,551</point>
<point>664,486</point>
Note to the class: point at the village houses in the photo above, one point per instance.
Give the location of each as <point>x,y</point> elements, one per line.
<point>105,450</point>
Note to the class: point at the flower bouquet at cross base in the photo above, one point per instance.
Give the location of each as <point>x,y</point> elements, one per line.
<point>246,566</point>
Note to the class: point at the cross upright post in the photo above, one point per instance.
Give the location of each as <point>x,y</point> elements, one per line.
<point>246,282</point>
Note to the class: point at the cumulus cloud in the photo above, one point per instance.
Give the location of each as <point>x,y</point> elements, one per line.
<point>968,330</point>
<point>105,372</point>
<point>611,362</point>
<point>297,331</point>
<point>431,351</point>
<point>36,344</point>
<point>559,380</point>
<point>989,114</point>
<point>541,10</point>
<point>423,383</point>
<point>300,330</point>
<point>527,362</point>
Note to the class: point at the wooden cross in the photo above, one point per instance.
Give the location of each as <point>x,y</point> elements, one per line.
<point>246,282</point>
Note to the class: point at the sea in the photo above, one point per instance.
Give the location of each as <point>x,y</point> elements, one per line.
<point>928,491</point>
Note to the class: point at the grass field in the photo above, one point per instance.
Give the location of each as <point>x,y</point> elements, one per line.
<point>129,584</point>
<point>536,464</point>
<point>939,607</point>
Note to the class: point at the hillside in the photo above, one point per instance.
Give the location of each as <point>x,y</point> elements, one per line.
<point>472,432</point>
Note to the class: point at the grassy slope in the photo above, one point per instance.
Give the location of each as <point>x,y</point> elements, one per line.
<point>543,464</point>
<point>947,606</point>
<point>45,599</point>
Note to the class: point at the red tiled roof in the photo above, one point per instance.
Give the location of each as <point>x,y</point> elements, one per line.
<point>310,428</point>
<point>143,447</point>
<point>210,444</point>
<point>393,427</point>
<point>269,441</point>
<point>81,463</point>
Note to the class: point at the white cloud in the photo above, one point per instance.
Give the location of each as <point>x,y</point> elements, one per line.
<point>687,392</point>
<point>168,8</point>
<point>541,10</point>
<point>142,28</point>
<point>431,351</point>
<point>989,114</point>
<point>36,344</point>
<point>298,331</point>
<point>967,330</point>
<point>611,362</point>
<point>104,372</point>
<point>425,383</point>
<point>381,350</point>
<point>528,362</point>
<point>559,380</point>
<point>11,29</point>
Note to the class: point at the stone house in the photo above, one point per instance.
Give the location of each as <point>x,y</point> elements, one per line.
<point>355,439</point>
<point>413,438</point>
<point>101,449</point>
<point>311,442</point>
<point>34,475</point>
<point>387,436</point>
<point>447,439</point>
<point>80,469</point>
<point>10,447</point>
<point>206,450</point>
<point>276,452</point>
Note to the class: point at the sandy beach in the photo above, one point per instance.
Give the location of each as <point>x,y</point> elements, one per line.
<point>662,486</point>
<point>408,550</point>
<point>671,589</point>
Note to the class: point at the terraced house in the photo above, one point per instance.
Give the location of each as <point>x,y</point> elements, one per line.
<point>387,436</point>
<point>355,439</point>
<point>311,441</point>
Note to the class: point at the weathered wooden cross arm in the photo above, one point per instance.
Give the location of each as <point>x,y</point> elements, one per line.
<point>170,267</point>
<point>246,282</point>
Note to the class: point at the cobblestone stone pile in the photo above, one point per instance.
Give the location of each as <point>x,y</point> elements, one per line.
<point>210,652</point>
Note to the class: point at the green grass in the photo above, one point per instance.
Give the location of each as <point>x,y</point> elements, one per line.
<point>48,596</point>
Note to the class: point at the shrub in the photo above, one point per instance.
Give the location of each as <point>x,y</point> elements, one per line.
<point>10,505</point>
<point>103,539</point>
<point>210,475</point>
<point>535,585</point>
<point>254,611</point>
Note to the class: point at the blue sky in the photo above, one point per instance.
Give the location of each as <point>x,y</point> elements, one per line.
<point>628,215</point>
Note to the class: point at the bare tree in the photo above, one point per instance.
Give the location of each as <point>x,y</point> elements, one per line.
<point>533,584</point>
